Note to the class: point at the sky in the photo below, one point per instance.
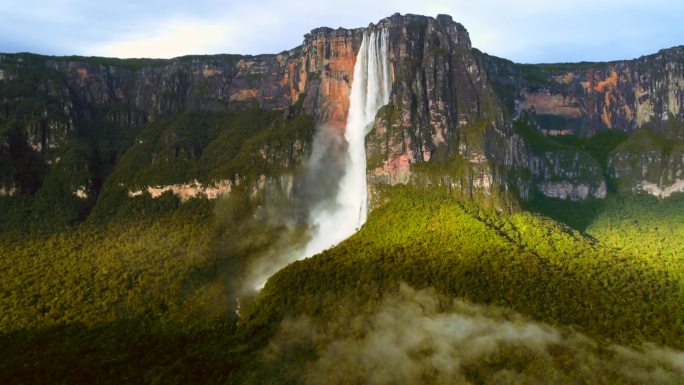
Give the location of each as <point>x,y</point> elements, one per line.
<point>527,31</point>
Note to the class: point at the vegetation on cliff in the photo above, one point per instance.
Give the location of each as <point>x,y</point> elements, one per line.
<point>208,147</point>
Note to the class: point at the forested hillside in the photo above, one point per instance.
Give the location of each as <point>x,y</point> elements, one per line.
<point>100,296</point>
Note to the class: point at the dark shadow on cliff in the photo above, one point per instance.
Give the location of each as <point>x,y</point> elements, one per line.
<point>578,215</point>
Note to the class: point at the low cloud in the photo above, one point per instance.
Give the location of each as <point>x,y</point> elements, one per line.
<point>418,337</point>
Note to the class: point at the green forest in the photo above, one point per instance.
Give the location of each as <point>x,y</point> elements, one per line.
<point>151,300</point>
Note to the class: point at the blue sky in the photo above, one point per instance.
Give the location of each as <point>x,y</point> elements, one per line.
<point>521,30</point>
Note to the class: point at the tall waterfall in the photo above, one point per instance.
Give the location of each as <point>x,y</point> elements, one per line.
<point>338,217</point>
<point>370,90</point>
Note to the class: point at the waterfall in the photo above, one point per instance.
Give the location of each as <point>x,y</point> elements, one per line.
<point>370,90</point>
<point>338,217</point>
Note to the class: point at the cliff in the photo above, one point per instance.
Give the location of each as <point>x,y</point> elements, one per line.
<point>440,90</point>
<point>627,96</point>
<point>442,111</point>
<point>76,122</point>
<point>584,98</point>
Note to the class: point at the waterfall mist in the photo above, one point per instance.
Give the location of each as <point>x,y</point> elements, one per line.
<point>335,184</point>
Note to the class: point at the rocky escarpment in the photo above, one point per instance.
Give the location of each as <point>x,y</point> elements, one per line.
<point>568,174</point>
<point>442,103</point>
<point>652,172</point>
<point>585,98</point>
<point>650,162</point>
<point>51,105</point>
<point>133,92</point>
<point>73,119</point>
<point>442,110</point>
<point>445,111</point>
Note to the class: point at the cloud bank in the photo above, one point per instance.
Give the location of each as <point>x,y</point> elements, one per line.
<point>417,337</point>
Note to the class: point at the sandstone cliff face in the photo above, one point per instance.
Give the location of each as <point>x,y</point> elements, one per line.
<point>568,174</point>
<point>650,162</point>
<point>449,105</point>
<point>584,98</point>
<point>442,102</point>
<point>52,104</point>
<point>442,108</point>
<point>329,56</point>
<point>653,172</point>
<point>131,93</point>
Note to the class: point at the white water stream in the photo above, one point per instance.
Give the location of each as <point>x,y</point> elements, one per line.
<point>370,90</point>
<point>340,216</point>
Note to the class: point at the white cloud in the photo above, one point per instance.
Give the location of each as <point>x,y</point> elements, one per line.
<point>244,31</point>
<point>522,30</point>
<point>169,39</point>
